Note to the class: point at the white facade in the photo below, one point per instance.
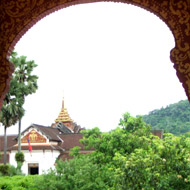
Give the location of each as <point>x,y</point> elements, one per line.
<point>44,160</point>
<point>41,158</point>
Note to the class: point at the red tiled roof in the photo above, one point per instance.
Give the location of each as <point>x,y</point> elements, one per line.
<point>71,140</point>
<point>65,156</point>
<point>66,141</point>
<point>10,141</point>
<point>158,133</point>
<point>50,132</point>
<point>2,158</point>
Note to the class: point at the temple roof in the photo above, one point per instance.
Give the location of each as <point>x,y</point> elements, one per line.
<point>71,140</point>
<point>63,115</point>
<point>51,133</point>
<point>65,140</point>
<point>62,128</point>
<point>11,141</point>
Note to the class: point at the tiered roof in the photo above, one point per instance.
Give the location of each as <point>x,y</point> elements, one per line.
<point>63,115</point>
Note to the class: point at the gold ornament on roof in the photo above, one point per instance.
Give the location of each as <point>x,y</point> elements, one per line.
<point>63,115</point>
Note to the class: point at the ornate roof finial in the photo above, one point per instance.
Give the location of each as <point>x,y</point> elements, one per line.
<point>63,101</point>
<point>63,115</point>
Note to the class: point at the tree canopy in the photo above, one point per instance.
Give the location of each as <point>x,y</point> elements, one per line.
<point>128,157</point>
<point>22,84</point>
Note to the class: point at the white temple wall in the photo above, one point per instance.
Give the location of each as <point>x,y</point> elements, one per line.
<point>45,159</point>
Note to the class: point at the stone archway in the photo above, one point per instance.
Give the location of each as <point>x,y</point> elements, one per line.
<point>17,16</point>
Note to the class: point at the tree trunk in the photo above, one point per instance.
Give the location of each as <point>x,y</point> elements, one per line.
<point>19,136</point>
<point>5,145</point>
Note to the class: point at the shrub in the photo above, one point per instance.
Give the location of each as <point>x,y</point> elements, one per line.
<point>4,169</point>
<point>75,151</point>
<point>78,173</point>
<point>9,170</point>
<point>15,171</point>
<point>18,182</point>
<point>19,157</point>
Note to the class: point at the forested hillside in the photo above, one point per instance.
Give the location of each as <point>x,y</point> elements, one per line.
<point>175,118</point>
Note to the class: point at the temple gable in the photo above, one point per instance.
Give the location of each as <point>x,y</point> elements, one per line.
<point>34,137</point>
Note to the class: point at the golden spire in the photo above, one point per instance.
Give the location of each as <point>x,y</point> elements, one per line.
<point>63,115</point>
<point>63,102</point>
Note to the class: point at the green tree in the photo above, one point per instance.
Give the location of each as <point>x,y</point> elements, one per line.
<point>78,173</point>
<point>25,82</point>
<point>9,114</point>
<point>139,159</point>
<point>21,85</point>
<point>128,157</point>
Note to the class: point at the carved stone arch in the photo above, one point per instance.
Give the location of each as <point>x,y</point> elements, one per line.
<point>17,16</point>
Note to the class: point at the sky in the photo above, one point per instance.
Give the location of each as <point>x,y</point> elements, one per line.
<point>106,58</point>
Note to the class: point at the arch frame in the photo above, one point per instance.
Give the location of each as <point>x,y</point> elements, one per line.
<point>18,16</point>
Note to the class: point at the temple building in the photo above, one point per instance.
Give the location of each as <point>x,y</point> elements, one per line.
<point>64,121</point>
<point>43,145</point>
<point>48,143</point>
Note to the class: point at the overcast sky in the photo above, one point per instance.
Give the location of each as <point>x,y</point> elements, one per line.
<point>107,58</point>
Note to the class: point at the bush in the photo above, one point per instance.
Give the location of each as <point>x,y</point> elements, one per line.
<point>19,157</point>
<point>78,173</point>
<point>15,171</point>
<point>9,170</point>
<point>18,182</point>
<point>75,151</point>
<point>4,169</point>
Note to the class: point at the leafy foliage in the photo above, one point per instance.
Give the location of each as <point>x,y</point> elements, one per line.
<point>19,157</point>
<point>75,151</point>
<point>78,173</point>
<point>129,157</point>
<point>4,169</point>
<point>139,159</point>
<point>22,84</point>
<point>17,182</point>
<point>9,170</point>
<point>175,118</point>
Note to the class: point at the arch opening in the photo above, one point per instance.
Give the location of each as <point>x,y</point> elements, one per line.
<point>72,50</point>
<point>15,24</point>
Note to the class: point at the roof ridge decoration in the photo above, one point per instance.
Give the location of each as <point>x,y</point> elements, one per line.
<point>34,136</point>
<point>63,128</point>
<point>63,115</point>
<point>48,133</point>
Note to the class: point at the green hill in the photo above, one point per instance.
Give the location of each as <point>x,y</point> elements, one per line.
<point>175,118</point>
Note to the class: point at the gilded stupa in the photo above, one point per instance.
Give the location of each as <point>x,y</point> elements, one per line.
<point>63,115</point>
<point>65,123</point>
